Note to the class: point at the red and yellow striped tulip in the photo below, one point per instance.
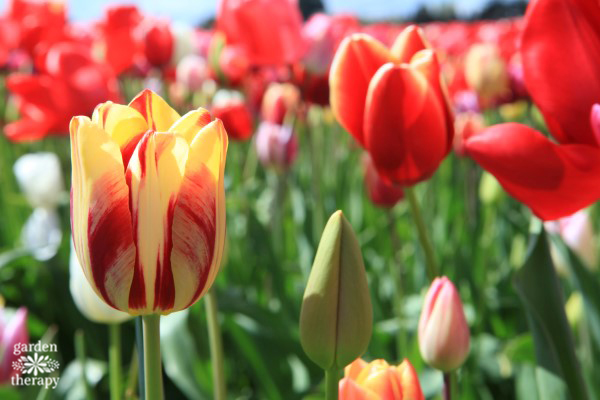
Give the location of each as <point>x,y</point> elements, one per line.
<point>148,203</point>
<point>378,380</point>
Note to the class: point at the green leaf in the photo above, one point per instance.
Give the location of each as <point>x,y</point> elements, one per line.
<point>539,289</point>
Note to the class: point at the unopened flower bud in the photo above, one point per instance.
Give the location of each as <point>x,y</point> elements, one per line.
<point>336,317</point>
<point>443,331</point>
<point>276,145</point>
<point>486,72</point>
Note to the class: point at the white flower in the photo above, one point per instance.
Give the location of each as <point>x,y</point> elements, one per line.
<point>41,234</point>
<point>86,300</point>
<point>183,36</point>
<point>39,177</point>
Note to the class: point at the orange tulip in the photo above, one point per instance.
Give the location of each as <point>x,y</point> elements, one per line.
<point>378,380</point>
<point>148,203</point>
<point>394,103</point>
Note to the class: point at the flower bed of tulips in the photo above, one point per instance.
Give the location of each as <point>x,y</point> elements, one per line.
<point>277,208</point>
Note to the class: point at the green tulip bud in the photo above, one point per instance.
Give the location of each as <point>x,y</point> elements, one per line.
<point>336,318</point>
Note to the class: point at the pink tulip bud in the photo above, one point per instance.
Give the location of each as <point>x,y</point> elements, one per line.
<point>276,145</point>
<point>443,331</point>
<point>192,71</point>
<point>12,331</point>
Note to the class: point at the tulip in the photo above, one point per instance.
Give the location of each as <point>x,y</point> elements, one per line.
<point>393,102</point>
<point>86,300</point>
<point>41,235</point>
<point>553,179</point>
<point>380,193</point>
<point>279,100</point>
<point>118,40</point>
<point>230,108</point>
<point>578,233</point>
<point>71,83</point>
<point>336,317</point>
<point>276,145</point>
<point>40,178</point>
<point>13,330</point>
<point>148,203</point>
<point>378,380</point>
<point>466,124</point>
<point>269,31</point>
<point>192,71</point>
<point>234,64</point>
<point>159,43</point>
<point>443,331</point>
<point>486,72</point>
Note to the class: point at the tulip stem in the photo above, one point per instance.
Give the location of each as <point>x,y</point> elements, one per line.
<point>152,363</point>
<point>331,383</point>
<point>139,344</point>
<point>114,360</point>
<point>80,353</point>
<point>449,386</point>
<point>216,346</point>
<point>431,265</point>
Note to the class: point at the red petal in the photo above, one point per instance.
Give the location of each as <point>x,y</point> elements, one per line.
<point>553,180</point>
<point>561,65</point>
<point>356,61</point>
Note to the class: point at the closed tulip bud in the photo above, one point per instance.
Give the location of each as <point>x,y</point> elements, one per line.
<point>86,300</point>
<point>279,100</point>
<point>443,331</point>
<point>381,193</point>
<point>13,330</point>
<point>192,71</point>
<point>378,380</point>
<point>229,107</point>
<point>394,103</point>
<point>276,145</point>
<point>159,43</point>
<point>40,178</point>
<point>336,317</point>
<point>148,203</point>
<point>41,235</point>
<point>486,72</point>
<point>578,233</point>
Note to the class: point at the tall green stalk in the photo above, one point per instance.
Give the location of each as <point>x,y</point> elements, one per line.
<point>152,362</point>
<point>216,346</point>
<point>114,361</point>
<point>331,384</point>
<point>431,265</point>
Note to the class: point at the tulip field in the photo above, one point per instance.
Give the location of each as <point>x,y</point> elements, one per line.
<point>283,205</point>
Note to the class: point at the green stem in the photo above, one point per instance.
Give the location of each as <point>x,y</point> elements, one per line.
<point>139,344</point>
<point>80,353</point>
<point>447,386</point>
<point>114,360</point>
<point>130,393</point>
<point>152,363</point>
<point>331,384</point>
<point>216,346</point>
<point>431,265</point>
<point>396,271</point>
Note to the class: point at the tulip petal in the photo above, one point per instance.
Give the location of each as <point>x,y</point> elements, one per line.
<point>353,369</point>
<point>124,124</point>
<point>100,216</point>
<point>198,233</point>
<point>411,388</point>
<point>564,91</point>
<point>553,180</point>
<point>405,125</point>
<point>357,59</point>
<point>154,175</point>
<point>349,390</point>
<point>408,43</point>
<point>191,123</point>
<point>159,115</point>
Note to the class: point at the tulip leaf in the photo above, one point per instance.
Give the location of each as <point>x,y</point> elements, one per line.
<point>539,290</point>
<point>587,283</point>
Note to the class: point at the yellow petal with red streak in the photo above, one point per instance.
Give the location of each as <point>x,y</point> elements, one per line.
<point>157,113</point>
<point>191,123</point>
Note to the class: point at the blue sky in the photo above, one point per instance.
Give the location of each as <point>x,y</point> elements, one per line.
<point>195,11</point>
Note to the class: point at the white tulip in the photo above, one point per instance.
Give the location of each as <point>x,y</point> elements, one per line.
<point>41,234</point>
<point>40,178</point>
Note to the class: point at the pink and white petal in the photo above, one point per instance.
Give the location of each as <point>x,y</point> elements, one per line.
<point>191,123</point>
<point>157,113</point>
<point>154,176</point>
<point>199,217</point>
<point>100,216</point>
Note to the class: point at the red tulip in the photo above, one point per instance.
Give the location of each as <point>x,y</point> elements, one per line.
<point>554,180</point>
<point>278,101</point>
<point>158,42</point>
<point>381,193</point>
<point>229,107</point>
<point>268,30</point>
<point>119,42</point>
<point>393,103</point>
<point>71,83</point>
